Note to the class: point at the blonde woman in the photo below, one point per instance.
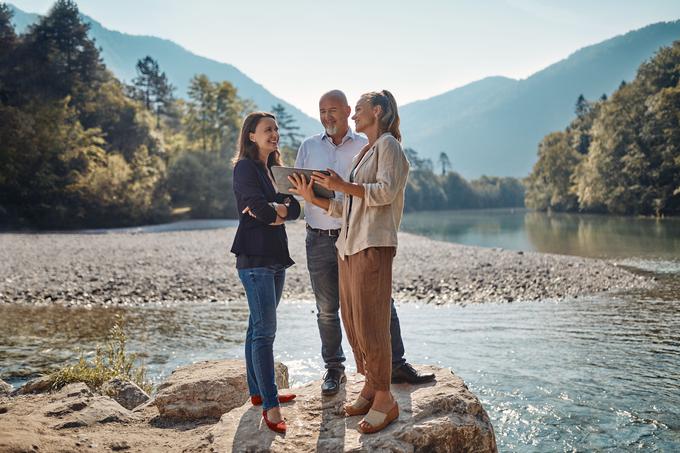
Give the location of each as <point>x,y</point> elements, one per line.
<point>371,210</point>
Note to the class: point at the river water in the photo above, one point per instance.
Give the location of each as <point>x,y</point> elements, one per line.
<point>590,374</point>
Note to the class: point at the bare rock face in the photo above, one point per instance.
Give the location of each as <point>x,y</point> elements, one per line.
<point>52,421</point>
<point>5,388</point>
<point>76,406</point>
<point>207,389</point>
<point>438,417</point>
<point>126,393</point>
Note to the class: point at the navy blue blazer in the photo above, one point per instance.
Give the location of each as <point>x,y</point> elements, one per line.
<point>254,189</point>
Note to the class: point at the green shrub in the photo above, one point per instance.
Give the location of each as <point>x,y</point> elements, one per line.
<point>109,362</point>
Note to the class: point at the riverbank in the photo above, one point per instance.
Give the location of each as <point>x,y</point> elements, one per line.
<point>137,268</point>
<point>204,407</point>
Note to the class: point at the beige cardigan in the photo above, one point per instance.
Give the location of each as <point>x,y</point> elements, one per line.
<point>373,220</point>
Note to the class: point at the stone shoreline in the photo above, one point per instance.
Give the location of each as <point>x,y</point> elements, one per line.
<point>138,268</point>
<point>204,407</point>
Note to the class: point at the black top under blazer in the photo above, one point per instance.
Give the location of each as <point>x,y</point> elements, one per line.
<point>255,237</point>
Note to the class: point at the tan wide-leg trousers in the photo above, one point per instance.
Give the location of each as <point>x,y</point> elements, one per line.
<point>365,294</point>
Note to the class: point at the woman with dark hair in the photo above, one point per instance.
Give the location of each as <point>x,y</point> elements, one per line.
<point>371,210</point>
<point>261,249</point>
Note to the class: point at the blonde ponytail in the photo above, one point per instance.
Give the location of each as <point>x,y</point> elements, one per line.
<point>389,120</point>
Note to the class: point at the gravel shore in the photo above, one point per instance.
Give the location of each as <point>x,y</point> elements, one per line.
<point>129,268</point>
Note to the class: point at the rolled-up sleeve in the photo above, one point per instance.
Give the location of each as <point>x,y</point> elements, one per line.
<point>334,208</point>
<point>250,194</point>
<point>391,175</point>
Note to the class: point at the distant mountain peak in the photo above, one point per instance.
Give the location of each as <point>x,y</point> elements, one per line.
<point>120,52</point>
<point>493,126</point>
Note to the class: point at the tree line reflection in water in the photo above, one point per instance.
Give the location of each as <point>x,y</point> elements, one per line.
<point>586,235</point>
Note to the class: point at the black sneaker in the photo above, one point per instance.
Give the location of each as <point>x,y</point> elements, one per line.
<point>406,373</point>
<point>332,380</point>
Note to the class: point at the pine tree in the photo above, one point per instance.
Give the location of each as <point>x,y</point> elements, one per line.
<point>152,87</point>
<point>416,162</point>
<point>214,113</point>
<point>200,109</point>
<point>61,56</point>
<point>289,130</point>
<point>8,43</point>
<point>8,36</point>
<point>228,111</point>
<point>444,162</point>
<point>582,106</point>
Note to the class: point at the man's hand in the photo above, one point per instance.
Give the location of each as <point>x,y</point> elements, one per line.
<point>302,187</point>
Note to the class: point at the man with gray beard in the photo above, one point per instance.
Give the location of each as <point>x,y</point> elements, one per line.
<point>335,148</point>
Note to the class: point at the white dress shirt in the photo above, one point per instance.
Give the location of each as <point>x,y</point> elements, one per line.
<point>318,152</point>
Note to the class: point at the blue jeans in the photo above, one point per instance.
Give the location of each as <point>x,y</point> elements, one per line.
<point>322,263</point>
<point>264,286</point>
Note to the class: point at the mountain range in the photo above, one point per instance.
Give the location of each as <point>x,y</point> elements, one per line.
<point>491,126</point>
<point>120,52</point>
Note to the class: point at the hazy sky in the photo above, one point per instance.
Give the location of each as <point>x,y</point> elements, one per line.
<point>299,49</point>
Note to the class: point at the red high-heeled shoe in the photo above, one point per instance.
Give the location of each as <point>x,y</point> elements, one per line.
<point>279,427</point>
<point>286,398</point>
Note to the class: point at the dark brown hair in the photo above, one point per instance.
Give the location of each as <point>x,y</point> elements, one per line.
<point>389,121</point>
<point>247,149</point>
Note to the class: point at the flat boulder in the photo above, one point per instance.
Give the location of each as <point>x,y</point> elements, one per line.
<point>126,393</point>
<point>207,389</point>
<point>444,416</point>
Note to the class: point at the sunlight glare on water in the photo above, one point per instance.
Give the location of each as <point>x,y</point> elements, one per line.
<point>598,373</point>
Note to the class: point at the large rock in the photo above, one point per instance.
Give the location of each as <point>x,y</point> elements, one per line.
<point>5,388</point>
<point>208,389</point>
<point>126,393</point>
<point>37,385</point>
<point>440,417</point>
<point>55,421</point>
<point>75,406</point>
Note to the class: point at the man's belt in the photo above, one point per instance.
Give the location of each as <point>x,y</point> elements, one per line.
<point>320,232</point>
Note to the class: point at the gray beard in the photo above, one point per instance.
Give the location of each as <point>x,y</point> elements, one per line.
<point>332,130</point>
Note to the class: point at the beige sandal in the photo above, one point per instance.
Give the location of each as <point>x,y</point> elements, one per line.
<point>378,420</point>
<point>359,407</point>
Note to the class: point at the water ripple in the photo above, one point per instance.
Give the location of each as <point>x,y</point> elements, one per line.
<point>587,374</point>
